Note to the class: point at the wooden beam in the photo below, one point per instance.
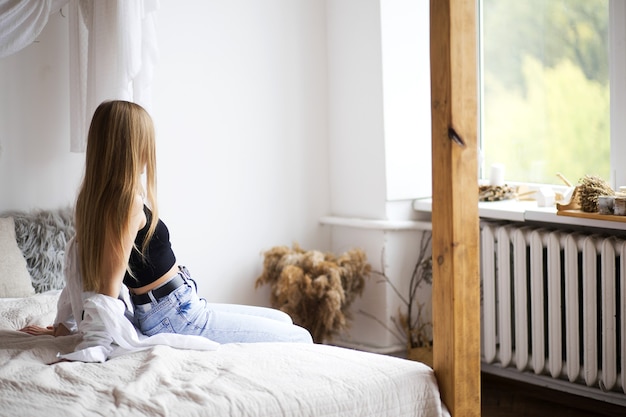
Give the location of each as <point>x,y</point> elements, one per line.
<point>456,279</point>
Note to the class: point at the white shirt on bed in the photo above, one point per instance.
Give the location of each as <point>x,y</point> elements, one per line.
<point>101,320</point>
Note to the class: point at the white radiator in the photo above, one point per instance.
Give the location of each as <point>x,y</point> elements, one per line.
<point>554,304</point>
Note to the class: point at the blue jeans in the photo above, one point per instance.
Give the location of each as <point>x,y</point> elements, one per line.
<point>184,312</point>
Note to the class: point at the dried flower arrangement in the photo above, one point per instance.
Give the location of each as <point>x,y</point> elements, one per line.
<point>496,192</point>
<point>316,289</point>
<point>591,187</point>
<point>410,325</point>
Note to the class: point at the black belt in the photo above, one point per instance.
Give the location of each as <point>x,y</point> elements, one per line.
<point>160,292</point>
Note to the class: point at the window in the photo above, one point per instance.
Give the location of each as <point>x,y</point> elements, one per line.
<point>545,90</point>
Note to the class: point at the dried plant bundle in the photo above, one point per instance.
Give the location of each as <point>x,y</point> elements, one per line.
<point>496,192</point>
<point>590,188</point>
<point>410,326</point>
<point>316,289</point>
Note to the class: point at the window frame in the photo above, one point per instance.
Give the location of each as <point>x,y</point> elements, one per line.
<point>617,66</point>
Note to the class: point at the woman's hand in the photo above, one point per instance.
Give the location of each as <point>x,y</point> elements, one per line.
<point>60,330</point>
<point>38,330</point>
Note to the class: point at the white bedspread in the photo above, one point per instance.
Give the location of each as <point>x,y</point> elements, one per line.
<point>265,379</point>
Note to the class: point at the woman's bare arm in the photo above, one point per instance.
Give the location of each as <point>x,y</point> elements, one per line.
<point>113,268</point>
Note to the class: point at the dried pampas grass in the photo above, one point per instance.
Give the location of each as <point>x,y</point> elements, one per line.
<point>590,188</point>
<point>316,289</point>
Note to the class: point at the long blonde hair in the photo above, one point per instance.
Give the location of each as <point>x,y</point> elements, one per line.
<point>120,144</point>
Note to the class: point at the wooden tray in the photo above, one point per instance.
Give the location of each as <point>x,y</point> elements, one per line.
<point>594,216</point>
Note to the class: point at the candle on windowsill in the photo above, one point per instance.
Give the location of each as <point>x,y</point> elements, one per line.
<point>497,175</point>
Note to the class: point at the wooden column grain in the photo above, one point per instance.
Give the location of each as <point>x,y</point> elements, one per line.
<point>456,279</point>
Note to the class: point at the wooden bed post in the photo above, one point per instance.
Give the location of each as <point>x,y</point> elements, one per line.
<point>456,274</point>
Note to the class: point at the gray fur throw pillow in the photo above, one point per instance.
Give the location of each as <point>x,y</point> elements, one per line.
<point>42,235</point>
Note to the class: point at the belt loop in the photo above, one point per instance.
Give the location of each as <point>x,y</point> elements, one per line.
<point>152,299</point>
<point>184,272</point>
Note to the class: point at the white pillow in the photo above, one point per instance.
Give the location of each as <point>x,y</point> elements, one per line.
<point>14,277</point>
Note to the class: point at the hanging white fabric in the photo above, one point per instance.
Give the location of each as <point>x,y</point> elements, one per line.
<point>113,51</point>
<point>21,21</point>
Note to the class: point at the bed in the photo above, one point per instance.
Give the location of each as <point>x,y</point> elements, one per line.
<point>265,379</point>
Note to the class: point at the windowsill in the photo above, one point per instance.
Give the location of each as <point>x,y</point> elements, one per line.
<point>526,211</point>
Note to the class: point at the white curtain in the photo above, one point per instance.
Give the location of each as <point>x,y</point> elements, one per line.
<point>21,21</point>
<point>113,52</point>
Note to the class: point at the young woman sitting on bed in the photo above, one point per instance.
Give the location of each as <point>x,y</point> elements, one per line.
<point>120,241</point>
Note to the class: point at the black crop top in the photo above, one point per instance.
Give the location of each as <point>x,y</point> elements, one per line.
<point>159,257</point>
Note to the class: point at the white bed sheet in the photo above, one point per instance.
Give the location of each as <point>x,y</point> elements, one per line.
<point>264,379</point>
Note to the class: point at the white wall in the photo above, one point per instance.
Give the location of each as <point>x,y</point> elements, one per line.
<point>380,154</point>
<point>379,107</point>
<point>356,130</point>
<point>240,111</point>
<point>405,34</point>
